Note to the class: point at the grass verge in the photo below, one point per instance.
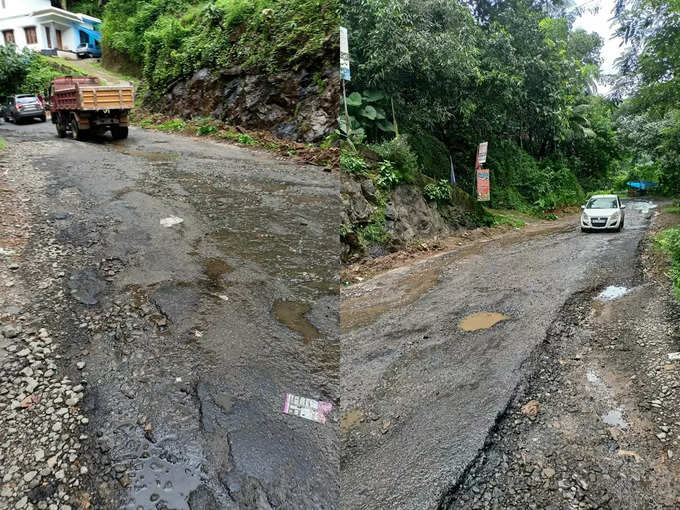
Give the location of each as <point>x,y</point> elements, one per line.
<point>3,143</point>
<point>668,241</point>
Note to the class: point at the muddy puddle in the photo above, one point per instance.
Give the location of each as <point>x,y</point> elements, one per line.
<point>215,268</point>
<point>367,308</point>
<point>481,320</point>
<point>149,156</point>
<point>611,293</point>
<point>614,418</point>
<point>292,315</point>
<point>350,419</point>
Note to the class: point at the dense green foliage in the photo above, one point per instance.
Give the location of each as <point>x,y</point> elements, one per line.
<point>669,241</point>
<point>649,118</point>
<point>170,39</point>
<point>513,73</point>
<point>26,72</point>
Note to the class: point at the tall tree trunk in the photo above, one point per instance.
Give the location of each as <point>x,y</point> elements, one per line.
<point>64,4</point>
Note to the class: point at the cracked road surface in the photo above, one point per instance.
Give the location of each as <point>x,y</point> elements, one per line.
<point>419,394</point>
<point>188,336</point>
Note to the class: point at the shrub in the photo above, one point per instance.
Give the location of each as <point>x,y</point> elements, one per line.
<point>669,241</point>
<point>388,175</point>
<point>352,163</point>
<point>245,139</point>
<point>432,156</point>
<point>172,125</point>
<point>206,130</point>
<point>439,191</point>
<point>399,154</point>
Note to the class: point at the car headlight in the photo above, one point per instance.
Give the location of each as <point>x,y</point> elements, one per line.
<point>615,216</point>
<point>584,218</point>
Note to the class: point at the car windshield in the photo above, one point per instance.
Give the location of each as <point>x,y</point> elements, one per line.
<point>27,100</point>
<point>602,203</point>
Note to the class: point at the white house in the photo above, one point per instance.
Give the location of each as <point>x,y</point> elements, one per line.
<point>37,25</point>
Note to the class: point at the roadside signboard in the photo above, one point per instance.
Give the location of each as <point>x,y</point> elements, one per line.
<point>483,182</point>
<point>483,185</point>
<point>481,152</point>
<point>344,55</point>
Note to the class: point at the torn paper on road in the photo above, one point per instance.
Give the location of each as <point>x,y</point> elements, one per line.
<point>674,356</point>
<point>171,221</point>
<point>307,408</point>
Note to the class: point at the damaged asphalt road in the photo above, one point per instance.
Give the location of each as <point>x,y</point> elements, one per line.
<point>433,354</point>
<point>183,336</point>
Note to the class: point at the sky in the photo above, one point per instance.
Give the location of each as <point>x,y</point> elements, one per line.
<point>601,24</point>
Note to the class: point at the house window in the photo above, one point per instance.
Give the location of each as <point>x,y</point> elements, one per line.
<point>31,35</point>
<point>9,36</point>
<point>48,33</point>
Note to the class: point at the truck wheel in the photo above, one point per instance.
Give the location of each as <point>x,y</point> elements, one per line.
<point>119,133</point>
<point>61,130</point>
<point>76,132</point>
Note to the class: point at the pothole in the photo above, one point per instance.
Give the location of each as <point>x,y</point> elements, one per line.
<point>614,418</point>
<point>611,293</point>
<point>593,378</point>
<point>481,320</point>
<point>292,315</point>
<point>350,419</point>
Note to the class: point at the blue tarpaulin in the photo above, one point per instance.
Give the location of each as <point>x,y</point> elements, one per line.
<point>642,185</point>
<point>93,35</point>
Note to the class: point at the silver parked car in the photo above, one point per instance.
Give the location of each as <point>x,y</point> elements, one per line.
<point>23,107</point>
<point>603,212</point>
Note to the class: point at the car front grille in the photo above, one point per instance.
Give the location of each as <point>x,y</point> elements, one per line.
<point>598,222</point>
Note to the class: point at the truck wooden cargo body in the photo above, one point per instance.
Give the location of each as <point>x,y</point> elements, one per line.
<point>80,105</point>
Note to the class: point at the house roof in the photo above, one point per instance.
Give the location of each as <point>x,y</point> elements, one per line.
<point>67,14</point>
<point>55,11</point>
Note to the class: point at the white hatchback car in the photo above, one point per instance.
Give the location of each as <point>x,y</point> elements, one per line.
<point>603,212</point>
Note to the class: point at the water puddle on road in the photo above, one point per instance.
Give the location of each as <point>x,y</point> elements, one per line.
<point>481,320</point>
<point>611,293</point>
<point>214,269</point>
<point>643,207</point>
<point>614,418</point>
<point>150,156</point>
<point>162,484</point>
<point>292,315</point>
<point>593,378</point>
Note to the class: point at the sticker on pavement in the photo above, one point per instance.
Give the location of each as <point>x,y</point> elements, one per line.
<point>307,408</point>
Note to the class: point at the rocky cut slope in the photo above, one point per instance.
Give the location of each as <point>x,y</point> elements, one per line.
<point>376,221</point>
<point>299,105</point>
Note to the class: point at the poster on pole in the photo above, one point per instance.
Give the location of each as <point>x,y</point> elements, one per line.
<point>481,152</point>
<point>483,185</point>
<point>483,182</point>
<point>344,55</point>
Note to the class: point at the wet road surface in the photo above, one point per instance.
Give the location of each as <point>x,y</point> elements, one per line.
<point>432,353</point>
<point>192,333</point>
